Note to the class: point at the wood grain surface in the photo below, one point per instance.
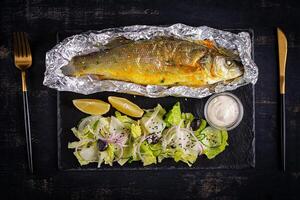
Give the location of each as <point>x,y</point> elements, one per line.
<point>42,19</point>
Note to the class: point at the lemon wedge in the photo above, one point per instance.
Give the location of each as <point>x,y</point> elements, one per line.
<point>91,106</point>
<point>125,106</point>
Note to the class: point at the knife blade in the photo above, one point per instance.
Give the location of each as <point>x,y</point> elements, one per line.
<point>282,54</point>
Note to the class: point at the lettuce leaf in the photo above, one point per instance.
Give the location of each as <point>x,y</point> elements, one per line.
<point>80,159</point>
<point>167,153</point>
<point>216,143</point>
<point>188,118</point>
<point>152,121</point>
<point>73,145</point>
<point>200,129</point>
<point>179,144</point>
<point>86,155</point>
<point>81,143</point>
<point>147,154</point>
<point>135,130</point>
<point>122,161</point>
<point>85,134</point>
<point>156,148</point>
<point>174,117</point>
<point>188,158</point>
<point>123,118</point>
<point>178,154</point>
<point>109,157</point>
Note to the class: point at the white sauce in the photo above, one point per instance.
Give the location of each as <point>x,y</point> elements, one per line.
<point>223,111</point>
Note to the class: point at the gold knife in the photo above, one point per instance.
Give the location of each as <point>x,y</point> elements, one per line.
<point>282,54</point>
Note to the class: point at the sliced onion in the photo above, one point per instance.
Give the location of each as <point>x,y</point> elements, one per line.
<point>191,132</point>
<point>139,147</point>
<point>170,129</point>
<point>86,121</point>
<point>197,141</point>
<point>168,142</point>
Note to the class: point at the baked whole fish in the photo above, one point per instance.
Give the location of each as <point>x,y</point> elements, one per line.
<point>159,61</point>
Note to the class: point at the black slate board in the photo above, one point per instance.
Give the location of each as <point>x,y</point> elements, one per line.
<point>239,154</point>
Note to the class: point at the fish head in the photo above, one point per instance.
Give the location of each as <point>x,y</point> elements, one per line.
<point>81,65</point>
<point>227,68</point>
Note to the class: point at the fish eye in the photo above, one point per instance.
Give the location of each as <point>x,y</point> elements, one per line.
<point>229,63</point>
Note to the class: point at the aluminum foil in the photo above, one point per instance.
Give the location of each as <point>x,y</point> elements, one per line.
<point>91,41</point>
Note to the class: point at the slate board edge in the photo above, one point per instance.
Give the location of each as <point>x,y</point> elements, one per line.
<point>252,165</point>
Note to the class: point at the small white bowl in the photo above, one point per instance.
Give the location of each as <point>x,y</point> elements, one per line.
<point>237,121</point>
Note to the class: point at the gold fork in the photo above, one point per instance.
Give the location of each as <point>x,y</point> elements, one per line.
<point>23,60</point>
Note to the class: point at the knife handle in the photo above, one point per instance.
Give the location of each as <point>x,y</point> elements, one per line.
<point>282,132</point>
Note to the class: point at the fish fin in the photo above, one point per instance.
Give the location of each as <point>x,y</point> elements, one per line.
<point>118,41</point>
<point>208,43</point>
<point>229,54</point>
<point>225,52</point>
<point>99,77</point>
<point>95,76</point>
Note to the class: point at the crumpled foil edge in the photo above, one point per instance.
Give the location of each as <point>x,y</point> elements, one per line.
<point>91,41</point>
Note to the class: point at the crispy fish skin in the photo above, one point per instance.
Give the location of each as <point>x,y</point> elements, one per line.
<point>159,61</point>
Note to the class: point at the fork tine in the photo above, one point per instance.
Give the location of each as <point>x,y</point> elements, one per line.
<point>22,52</point>
<point>27,46</point>
<point>19,44</point>
<point>22,44</point>
<point>15,41</point>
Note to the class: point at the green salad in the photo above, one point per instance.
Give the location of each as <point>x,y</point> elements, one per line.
<point>151,139</point>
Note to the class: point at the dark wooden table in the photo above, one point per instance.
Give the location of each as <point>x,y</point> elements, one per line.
<point>43,19</point>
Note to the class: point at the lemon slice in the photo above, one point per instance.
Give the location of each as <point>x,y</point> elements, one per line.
<point>125,106</point>
<point>91,106</point>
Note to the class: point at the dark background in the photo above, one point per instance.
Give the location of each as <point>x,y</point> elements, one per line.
<point>43,19</point>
